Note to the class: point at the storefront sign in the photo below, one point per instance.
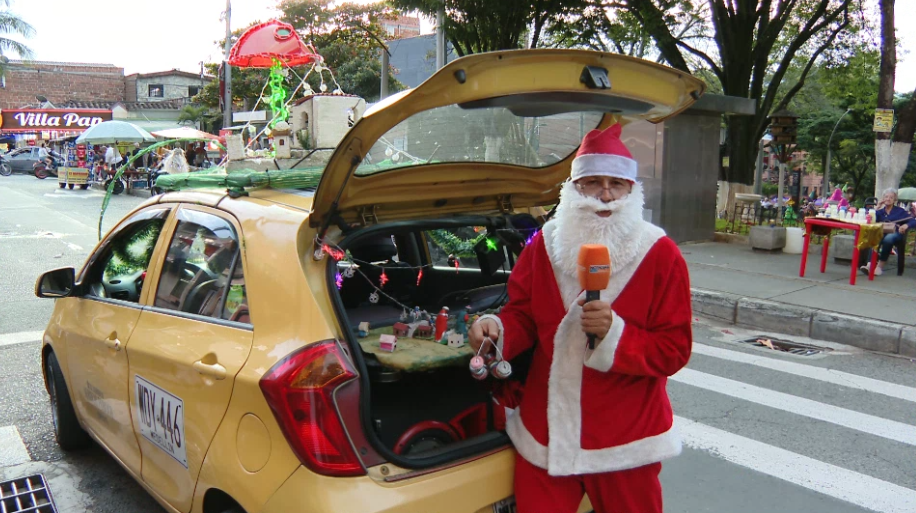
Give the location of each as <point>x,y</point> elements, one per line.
<point>30,120</point>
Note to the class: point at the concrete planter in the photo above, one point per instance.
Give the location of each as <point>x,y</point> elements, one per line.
<point>841,249</point>
<point>768,238</point>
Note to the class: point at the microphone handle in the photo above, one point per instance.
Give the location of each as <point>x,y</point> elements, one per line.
<point>592,295</point>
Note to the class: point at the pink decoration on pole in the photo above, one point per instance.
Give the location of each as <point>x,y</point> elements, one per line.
<point>261,44</point>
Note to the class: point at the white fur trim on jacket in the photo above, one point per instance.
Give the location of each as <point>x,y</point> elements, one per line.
<point>601,164</point>
<point>499,322</point>
<point>611,459</point>
<point>602,358</point>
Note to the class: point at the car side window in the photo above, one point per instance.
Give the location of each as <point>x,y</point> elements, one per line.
<point>118,270</point>
<point>202,272</point>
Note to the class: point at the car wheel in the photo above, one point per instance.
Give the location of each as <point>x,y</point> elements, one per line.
<point>71,186</point>
<point>63,185</point>
<point>5,169</point>
<point>41,174</point>
<point>84,186</point>
<point>70,435</point>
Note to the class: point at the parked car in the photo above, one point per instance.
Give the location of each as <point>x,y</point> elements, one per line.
<point>23,160</point>
<point>211,343</point>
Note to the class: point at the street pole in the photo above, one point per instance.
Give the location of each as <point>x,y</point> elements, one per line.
<point>830,155</point>
<point>384,92</point>
<point>227,70</point>
<point>440,36</point>
<point>758,174</point>
<point>782,177</point>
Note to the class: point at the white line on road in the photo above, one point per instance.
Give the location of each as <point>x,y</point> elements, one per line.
<point>846,485</point>
<point>809,371</point>
<point>12,450</point>
<point>863,422</point>
<point>93,195</point>
<point>8,339</point>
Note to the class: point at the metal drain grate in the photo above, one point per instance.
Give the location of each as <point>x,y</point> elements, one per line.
<point>26,495</point>
<point>786,346</point>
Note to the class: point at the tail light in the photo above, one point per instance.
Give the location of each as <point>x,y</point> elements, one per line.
<point>300,391</point>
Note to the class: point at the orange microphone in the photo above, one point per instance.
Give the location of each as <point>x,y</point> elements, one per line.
<point>594,275</point>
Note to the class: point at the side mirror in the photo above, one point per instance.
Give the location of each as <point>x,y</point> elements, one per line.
<point>56,283</point>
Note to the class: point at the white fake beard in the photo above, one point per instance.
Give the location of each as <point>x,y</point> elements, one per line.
<point>578,223</point>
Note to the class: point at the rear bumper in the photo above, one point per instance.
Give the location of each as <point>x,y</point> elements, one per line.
<point>469,488</point>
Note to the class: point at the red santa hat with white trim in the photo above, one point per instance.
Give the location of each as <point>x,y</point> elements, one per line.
<point>603,154</point>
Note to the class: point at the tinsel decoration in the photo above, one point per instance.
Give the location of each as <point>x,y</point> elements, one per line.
<point>419,277</point>
<point>133,254</point>
<point>383,279</point>
<point>455,245</point>
<point>338,280</point>
<point>278,94</point>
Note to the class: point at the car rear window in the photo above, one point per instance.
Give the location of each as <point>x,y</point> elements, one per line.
<point>490,134</point>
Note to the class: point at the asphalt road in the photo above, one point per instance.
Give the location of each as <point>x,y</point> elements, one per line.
<point>763,431</point>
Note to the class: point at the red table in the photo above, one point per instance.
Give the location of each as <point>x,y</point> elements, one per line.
<point>836,225</point>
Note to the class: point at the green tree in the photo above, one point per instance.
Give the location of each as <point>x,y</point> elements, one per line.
<point>12,24</point>
<point>475,26</point>
<point>756,43</point>
<point>892,149</point>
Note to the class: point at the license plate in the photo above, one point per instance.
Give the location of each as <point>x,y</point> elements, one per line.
<point>161,418</point>
<point>505,506</point>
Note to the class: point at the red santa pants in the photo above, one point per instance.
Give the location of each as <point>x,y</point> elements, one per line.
<point>627,491</point>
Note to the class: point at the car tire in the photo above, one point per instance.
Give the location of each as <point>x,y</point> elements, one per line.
<point>41,174</point>
<point>5,169</point>
<point>70,435</point>
<point>63,185</point>
<point>84,187</point>
<point>71,186</point>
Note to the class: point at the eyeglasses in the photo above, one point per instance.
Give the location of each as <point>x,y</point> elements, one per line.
<point>595,186</point>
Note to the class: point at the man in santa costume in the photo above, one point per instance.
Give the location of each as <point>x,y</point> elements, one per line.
<point>595,422</point>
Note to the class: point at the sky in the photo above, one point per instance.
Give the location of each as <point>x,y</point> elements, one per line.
<point>181,34</point>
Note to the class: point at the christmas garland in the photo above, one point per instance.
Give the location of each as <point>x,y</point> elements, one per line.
<point>130,255</point>
<point>455,245</point>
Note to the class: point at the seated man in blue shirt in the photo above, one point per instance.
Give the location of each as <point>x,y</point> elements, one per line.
<point>889,212</point>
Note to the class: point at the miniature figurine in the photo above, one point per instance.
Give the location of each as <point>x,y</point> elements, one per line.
<point>363,329</point>
<point>455,340</point>
<point>388,343</point>
<point>462,321</point>
<point>400,329</point>
<point>441,322</point>
<point>423,330</point>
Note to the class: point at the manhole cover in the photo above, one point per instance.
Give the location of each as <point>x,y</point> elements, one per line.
<point>785,346</point>
<point>27,494</point>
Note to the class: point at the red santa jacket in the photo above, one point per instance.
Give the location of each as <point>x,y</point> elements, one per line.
<point>604,410</point>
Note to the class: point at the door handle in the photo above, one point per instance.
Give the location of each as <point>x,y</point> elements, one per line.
<point>112,342</point>
<point>214,370</point>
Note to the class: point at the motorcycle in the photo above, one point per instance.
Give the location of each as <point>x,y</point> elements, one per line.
<point>44,168</point>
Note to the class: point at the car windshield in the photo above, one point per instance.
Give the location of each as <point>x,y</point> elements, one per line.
<point>491,134</point>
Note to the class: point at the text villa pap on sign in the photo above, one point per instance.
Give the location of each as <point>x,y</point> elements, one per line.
<point>52,119</point>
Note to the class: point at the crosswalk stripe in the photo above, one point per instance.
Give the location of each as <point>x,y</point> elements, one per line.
<point>7,339</point>
<point>12,449</point>
<point>809,371</point>
<point>843,484</point>
<point>863,422</point>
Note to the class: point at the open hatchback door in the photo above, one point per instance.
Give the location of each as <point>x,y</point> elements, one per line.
<point>489,132</point>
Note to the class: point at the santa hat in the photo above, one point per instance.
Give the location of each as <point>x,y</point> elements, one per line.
<point>603,154</point>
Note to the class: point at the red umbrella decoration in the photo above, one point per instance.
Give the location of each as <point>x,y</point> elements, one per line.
<point>273,44</point>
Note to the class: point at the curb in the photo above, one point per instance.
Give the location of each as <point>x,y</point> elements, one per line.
<point>861,332</point>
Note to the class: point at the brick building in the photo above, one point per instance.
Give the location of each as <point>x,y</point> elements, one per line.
<point>164,85</point>
<point>60,83</point>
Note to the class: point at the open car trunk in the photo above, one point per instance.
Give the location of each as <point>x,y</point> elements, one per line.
<point>420,405</point>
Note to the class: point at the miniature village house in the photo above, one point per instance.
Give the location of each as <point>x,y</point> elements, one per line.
<point>322,119</point>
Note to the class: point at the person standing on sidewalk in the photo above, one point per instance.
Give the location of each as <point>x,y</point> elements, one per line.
<point>897,221</point>
<point>595,421</point>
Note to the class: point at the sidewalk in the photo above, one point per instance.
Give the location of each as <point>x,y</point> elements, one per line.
<point>762,290</point>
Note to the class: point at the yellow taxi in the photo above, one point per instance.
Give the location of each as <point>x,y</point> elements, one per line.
<point>288,349</point>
